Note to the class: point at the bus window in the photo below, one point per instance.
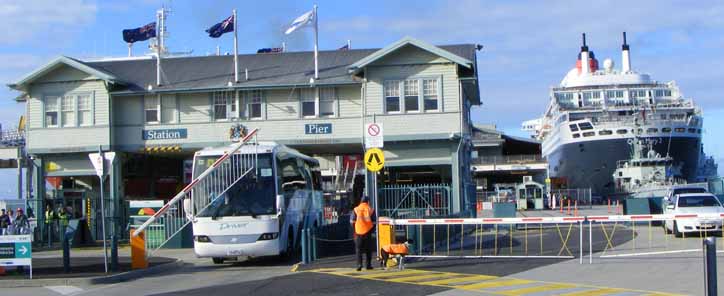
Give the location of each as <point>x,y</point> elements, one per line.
<point>291,177</point>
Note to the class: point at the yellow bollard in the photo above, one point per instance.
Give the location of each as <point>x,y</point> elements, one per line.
<point>138,251</point>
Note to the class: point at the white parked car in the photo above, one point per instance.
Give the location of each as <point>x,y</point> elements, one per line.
<point>694,203</point>
<point>682,189</point>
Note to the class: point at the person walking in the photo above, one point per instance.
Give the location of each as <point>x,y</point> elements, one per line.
<point>22,225</point>
<point>11,223</point>
<point>4,222</point>
<point>363,222</point>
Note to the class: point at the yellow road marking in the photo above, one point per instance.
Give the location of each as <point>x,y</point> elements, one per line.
<point>461,279</point>
<point>543,288</point>
<point>422,277</point>
<point>494,284</point>
<point>391,275</point>
<point>598,292</point>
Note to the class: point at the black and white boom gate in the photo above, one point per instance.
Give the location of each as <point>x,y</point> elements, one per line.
<point>226,171</point>
<point>534,237</point>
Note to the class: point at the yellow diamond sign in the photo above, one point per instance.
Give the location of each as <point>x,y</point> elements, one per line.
<point>374,159</point>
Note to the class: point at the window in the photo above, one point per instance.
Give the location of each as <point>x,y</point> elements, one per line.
<point>614,94</point>
<point>150,106</point>
<point>692,130</point>
<point>309,102</point>
<point>67,111</point>
<point>429,91</point>
<point>591,95</point>
<point>680,129</point>
<point>576,136</point>
<point>84,110</point>
<point>589,134</point>
<point>662,93</point>
<point>412,96</point>
<point>254,99</point>
<point>327,97</point>
<point>677,116</point>
<point>51,111</point>
<point>637,93</point>
<point>652,130</point>
<point>585,126</point>
<point>392,95</point>
<point>224,105</point>
<point>573,127</point>
<point>605,133</point>
<point>168,109</point>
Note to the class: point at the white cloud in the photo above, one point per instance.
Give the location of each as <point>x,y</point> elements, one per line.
<point>24,21</point>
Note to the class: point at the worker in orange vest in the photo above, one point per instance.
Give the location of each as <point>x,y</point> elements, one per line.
<point>398,250</point>
<point>363,222</point>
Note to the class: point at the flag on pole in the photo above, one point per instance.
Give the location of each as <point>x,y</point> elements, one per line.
<point>301,21</point>
<point>345,47</point>
<point>219,29</point>
<point>270,50</point>
<point>140,34</point>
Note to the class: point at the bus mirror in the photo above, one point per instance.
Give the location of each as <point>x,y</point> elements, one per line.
<point>280,204</point>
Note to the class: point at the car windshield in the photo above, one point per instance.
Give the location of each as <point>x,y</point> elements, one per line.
<point>689,190</point>
<point>251,196</point>
<point>698,201</point>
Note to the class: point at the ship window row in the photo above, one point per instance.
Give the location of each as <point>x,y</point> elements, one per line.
<point>625,131</point>
<point>412,95</point>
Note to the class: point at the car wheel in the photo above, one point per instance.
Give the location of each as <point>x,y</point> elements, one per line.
<point>677,233</point>
<point>218,260</point>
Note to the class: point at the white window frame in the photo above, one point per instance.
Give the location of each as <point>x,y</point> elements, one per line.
<point>56,98</point>
<point>146,109</point>
<point>230,107</point>
<point>307,95</point>
<point>417,93</point>
<point>173,108</point>
<point>79,110</point>
<point>334,101</point>
<point>402,91</point>
<point>64,122</point>
<point>249,98</point>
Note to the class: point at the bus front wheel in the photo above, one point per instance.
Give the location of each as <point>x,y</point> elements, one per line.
<point>218,260</point>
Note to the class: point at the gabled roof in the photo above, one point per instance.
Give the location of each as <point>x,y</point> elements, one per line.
<point>456,58</point>
<point>57,62</point>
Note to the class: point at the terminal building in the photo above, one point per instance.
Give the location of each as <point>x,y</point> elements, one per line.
<point>420,93</point>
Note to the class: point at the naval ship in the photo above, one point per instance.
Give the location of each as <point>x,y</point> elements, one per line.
<point>594,116</point>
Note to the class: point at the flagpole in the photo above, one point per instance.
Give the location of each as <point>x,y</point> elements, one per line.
<point>159,24</point>
<point>316,44</point>
<point>130,51</point>
<point>236,53</point>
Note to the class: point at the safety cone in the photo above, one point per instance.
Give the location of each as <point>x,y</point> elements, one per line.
<point>609,205</point>
<point>575,209</point>
<point>569,208</point>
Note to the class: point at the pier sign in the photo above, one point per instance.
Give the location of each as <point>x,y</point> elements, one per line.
<point>318,128</point>
<point>164,134</point>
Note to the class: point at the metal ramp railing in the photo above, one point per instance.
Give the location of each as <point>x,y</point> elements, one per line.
<point>226,171</point>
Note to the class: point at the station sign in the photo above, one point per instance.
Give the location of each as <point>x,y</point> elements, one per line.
<point>15,250</point>
<point>374,159</point>
<point>318,128</point>
<point>164,134</point>
<point>374,136</point>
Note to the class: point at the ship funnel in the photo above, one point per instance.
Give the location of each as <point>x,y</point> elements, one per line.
<point>585,67</point>
<point>625,56</point>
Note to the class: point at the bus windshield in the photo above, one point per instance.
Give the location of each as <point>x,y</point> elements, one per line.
<point>253,195</point>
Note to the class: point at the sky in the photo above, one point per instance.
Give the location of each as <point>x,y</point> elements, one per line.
<point>528,45</point>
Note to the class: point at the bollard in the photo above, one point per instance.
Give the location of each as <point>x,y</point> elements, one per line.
<point>305,260</point>
<point>609,206</point>
<point>568,212</point>
<point>710,287</point>
<point>562,206</point>
<point>114,253</point>
<point>66,254</point>
<point>138,250</point>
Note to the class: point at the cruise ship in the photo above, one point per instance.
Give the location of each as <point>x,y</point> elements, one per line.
<point>595,114</point>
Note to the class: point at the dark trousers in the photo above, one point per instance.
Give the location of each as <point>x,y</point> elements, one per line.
<point>384,256</point>
<point>363,243</point>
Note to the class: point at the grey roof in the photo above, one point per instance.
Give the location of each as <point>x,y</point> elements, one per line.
<point>265,70</point>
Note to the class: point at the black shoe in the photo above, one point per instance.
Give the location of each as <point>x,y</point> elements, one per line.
<point>370,268</point>
<point>359,268</point>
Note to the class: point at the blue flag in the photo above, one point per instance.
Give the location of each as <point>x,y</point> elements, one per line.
<point>140,34</point>
<point>219,29</point>
<point>270,50</point>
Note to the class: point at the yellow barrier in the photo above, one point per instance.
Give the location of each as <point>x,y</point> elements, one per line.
<point>138,251</point>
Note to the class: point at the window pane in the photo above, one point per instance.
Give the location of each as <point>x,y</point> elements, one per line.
<point>430,103</point>
<point>308,108</point>
<point>307,94</point>
<point>412,103</point>
<point>151,116</point>
<point>392,88</point>
<point>429,90</point>
<point>151,108</point>
<point>67,103</point>
<point>222,100</point>
<point>327,93</point>
<point>84,118</point>
<point>255,110</point>
<point>392,104</point>
<point>412,88</point>
<point>151,102</point>
<point>68,118</point>
<point>219,111</point>
<point>168,109</point>
<point>51,118</point>
<point>326,108</point>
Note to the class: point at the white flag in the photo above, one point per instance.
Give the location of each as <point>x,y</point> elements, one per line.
<point>301,21</point>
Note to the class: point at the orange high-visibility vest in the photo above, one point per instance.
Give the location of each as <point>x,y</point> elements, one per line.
<point>396,249</point>
<point>363,224</point>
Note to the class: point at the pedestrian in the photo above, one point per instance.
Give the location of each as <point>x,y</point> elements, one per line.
<point>363,222</point>
<point>63,217</point>
<point>22,225</point>
<point>4,222</point>
<point>49,222</point>
<point>11,223</point>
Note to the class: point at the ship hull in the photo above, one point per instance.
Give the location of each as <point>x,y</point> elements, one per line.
<point>591,164</point>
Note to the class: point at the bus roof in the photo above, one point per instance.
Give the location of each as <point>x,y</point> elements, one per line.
<point>261,147</point>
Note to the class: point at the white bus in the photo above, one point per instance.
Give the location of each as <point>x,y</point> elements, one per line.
<point>263,213</point>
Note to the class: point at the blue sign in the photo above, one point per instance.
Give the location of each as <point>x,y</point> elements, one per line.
<point>318,128</point>
<point>164,134</point>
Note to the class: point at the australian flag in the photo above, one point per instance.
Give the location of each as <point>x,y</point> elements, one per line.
<point>345,47</point>
<point>219,29</point>
<point>140,34</point>
<point>270,50</point>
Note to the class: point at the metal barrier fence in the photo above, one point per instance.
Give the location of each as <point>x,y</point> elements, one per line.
<point>580,195</point>
<point>414,201</point>
<point>558,237</point>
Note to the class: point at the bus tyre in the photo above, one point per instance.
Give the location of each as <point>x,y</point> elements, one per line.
<point>218,260</point>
